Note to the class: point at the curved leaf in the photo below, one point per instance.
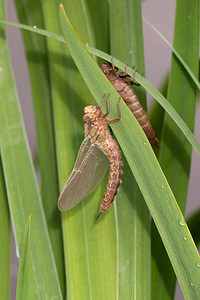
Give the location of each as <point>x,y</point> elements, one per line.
<point>89,247</point>
<point>5,239</point>
<point>194,225</point>
<point>23,280</point>
<point>185,65</point>
<point>175,152</point>
<point>37,60</point>
<point>135,261</point>
<point>147,85</point>
<point>22,187</point>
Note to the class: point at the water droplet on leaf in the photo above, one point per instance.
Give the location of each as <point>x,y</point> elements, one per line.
<point>182,222</point>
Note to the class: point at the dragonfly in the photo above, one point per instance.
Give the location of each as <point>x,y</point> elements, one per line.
<point>120,82</point>
<point>97,151</point>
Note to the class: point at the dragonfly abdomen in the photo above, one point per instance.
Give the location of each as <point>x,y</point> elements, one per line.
<point>119,82</point>
<point>128,95</point>
<point>110,148</point>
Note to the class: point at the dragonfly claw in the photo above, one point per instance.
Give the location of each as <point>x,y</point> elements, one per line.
<point>98,216</point>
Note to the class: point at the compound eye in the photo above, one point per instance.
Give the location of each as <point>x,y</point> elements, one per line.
<point>87,117</point>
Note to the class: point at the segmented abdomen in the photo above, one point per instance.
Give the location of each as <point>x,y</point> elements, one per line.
<point>128,95</point>
<point>110,148</point>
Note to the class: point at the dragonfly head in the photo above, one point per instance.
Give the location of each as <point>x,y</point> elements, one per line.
<point>109,71</point>
<point>91,113</point>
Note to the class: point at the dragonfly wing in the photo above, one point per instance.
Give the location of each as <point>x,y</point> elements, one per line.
<point>89,169</point>
<point>81,154</point>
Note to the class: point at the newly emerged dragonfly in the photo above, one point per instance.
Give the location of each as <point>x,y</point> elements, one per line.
<point>97,151</point>
<point>120,82</point>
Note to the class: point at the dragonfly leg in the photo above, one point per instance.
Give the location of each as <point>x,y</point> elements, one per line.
<point>104,97</point>
<point>112,63</point>
<point>114,68</point>
<point>98,216</point>
<point>127,78</point>
<point>124,74</point>
<point>108,110</point>
<point>119,112</point>
<point>132,80</point>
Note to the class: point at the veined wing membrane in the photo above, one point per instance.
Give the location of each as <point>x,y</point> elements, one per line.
<point>81,154</point>
<point>89,169</point>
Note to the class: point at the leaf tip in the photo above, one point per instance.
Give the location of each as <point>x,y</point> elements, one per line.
<point>61,6</point>
<point>29,219</point>
<point>62,12</point>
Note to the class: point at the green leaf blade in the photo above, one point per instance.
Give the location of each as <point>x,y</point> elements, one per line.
<point>126,40</point>
<point>177,53</point>
<point>193,224</point>
<point>147,85</point>
<point>23,280</point>
<point>99,12</point>
<point>175,151</point>
<point>5,238</point>
<point>22,189</point>
<point>37,59</point>
<point>90,250</point>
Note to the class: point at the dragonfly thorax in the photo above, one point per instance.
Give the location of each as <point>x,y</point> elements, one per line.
<point>109,72</point>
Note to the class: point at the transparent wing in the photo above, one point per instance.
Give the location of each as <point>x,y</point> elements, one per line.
<point>89,169</point>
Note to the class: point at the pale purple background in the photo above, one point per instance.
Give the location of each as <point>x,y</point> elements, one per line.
<point>157,55</point>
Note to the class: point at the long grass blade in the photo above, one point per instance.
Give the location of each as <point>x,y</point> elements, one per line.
<point>90,250</point>
<point>147,85</point>
<point>99,12</point>
<point>177,53</point>
<point>37,59</point>
<point>194,224</point>
<point>4,240</point>
<point>126,43</point>
<point>4,211</point>
<point>61,39</point>
<point>175,152</point>
<point>156,115</point>
<point>22,189</point>
<point>23,280</point>
<point>145,168</point>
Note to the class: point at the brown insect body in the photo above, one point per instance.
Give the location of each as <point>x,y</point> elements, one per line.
<point>97,151</point>
<point>121,83</point>
<point>96,130</point>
